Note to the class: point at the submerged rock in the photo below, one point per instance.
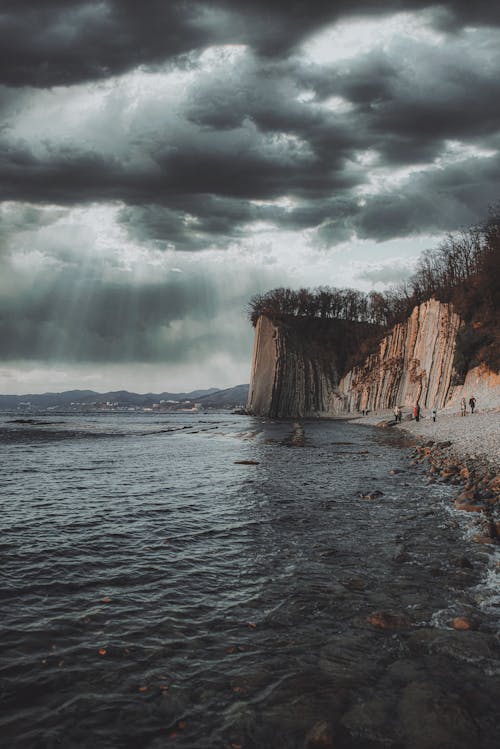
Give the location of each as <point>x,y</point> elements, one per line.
<point>387,620</point>
<point>431,718</point>
<point>320,735</point>
<point>462,623</point>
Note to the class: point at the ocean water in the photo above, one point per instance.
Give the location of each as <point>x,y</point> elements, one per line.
<point>157,593</point>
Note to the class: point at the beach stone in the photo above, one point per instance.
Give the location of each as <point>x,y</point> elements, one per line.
<point>431,718</point>
<point>442,445</point>
<point>320,735</point>
<point>371,495</point>
<point>388,620</point>
<point>495,485</point>
<point>448,472</point>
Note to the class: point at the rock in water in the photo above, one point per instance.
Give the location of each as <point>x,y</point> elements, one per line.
<point>320,735</point>
<point>387,620</point>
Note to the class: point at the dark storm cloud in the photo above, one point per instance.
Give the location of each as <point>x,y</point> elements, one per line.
<point>58,42</point>
<point>438,200</point>
<point>91,320</point>
<point>190,179</point>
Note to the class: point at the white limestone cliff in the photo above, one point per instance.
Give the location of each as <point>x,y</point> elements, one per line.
<point>413,363</point>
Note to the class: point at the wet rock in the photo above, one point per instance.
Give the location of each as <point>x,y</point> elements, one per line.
<point>495,485</point>
<point>297,437</point>
<point>465,506</point>
<point>431,718</point>
<point>395,471</point>
<point>481,539</point>
<point>367,719</point>
<point>468,494</point>
<point>462,623</point>
<point>405,670</point>
<point>371,495</point>
<point>463,645</point>
<point>464,563</point>
<point>388,620</point>
<point>356,583</point>
<point>443,445</point>
<point>320,735</point>
<point>247,462</point>
<point>340,659</point>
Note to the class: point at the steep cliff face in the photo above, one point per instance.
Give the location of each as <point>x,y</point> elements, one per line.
<point>414,362</point>
<point>289,377</point>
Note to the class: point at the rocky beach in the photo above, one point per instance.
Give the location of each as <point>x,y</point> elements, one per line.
<point>462,451</point>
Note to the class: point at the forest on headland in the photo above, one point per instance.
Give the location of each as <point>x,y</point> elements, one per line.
<point>462,271</point>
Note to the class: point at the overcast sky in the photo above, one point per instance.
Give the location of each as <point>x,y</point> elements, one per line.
<point>160,162</point>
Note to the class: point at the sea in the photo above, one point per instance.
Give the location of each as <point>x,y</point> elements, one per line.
<point>200,580</point>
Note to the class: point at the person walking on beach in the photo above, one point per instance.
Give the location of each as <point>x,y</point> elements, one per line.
<point>434,413</point>
<point>399,415</point>
<point>463,407</point>
<point>472,404</point>
<point>416,412</point>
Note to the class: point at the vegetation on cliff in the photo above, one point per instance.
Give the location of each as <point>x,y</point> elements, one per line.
<point>462,271</point>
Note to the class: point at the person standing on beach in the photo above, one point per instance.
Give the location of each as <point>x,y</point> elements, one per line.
<point>463,407</point>
<point>472,404</point>
<point>416,412</point>
<point>434,413</point>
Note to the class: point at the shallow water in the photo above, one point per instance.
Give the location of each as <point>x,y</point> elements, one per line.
<point>155,593</point>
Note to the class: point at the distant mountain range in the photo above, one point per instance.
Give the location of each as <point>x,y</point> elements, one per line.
<point>211,398</point>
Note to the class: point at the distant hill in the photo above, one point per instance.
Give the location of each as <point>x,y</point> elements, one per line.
<point>236,396</point>
<point>86,398</point>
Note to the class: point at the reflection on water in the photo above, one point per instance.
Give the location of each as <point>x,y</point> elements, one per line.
<point>156,593</point>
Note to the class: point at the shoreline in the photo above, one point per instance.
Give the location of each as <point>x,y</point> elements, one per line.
<point>474,437</point>
<point>463,451</point>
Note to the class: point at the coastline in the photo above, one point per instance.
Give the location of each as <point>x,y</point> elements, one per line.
<point>474,437</point>
<point>463,451</point>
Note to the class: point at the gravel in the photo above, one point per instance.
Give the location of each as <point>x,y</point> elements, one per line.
<point>474,435</point>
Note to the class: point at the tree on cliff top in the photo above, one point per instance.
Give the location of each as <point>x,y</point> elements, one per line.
<point>462,270</point>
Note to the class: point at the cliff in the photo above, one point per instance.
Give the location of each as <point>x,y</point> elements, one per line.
<point>287,378</point>
<point>414,362</point>
<point>299,369</point>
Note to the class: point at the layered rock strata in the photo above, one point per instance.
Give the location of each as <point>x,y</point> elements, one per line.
<point>414,363</point>
<point>286,379</point>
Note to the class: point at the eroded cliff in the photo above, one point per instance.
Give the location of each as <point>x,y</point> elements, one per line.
<point>414,363</point>
<point>300,372</point>
<point>289,376</point>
